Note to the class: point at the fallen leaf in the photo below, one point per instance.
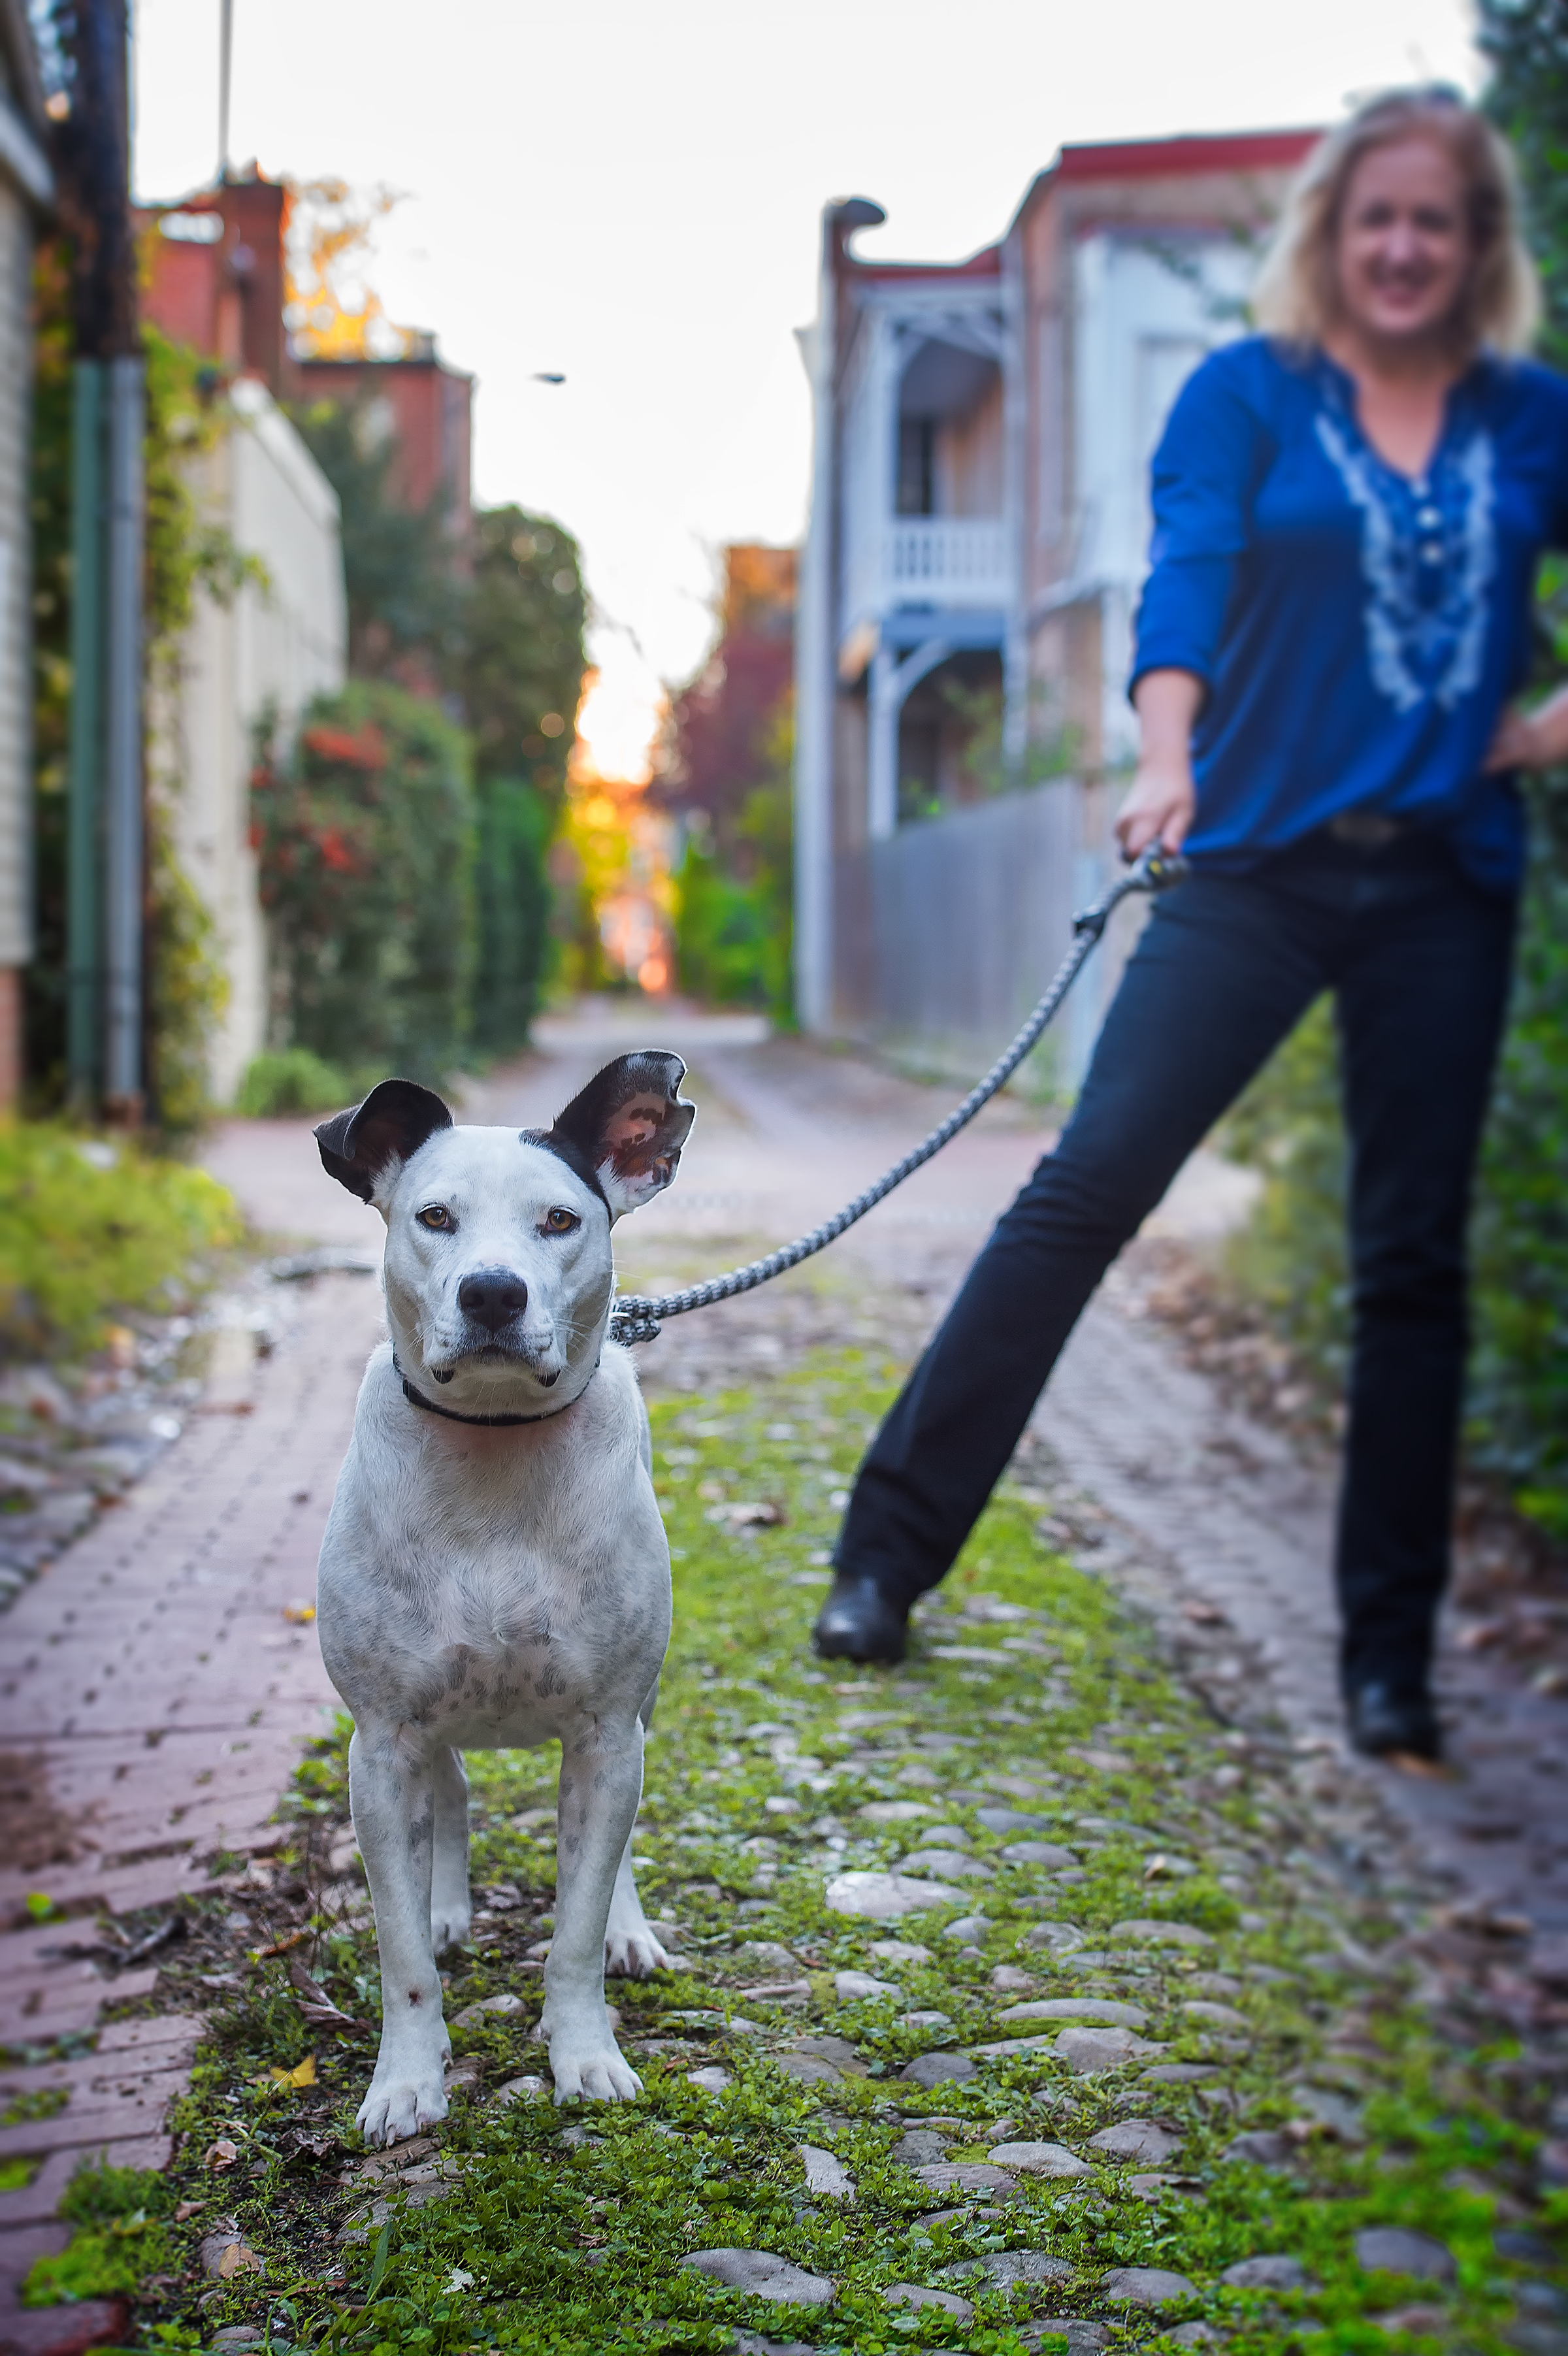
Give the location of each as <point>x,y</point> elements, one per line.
<point>221,2154</point>
<point>280,1946</point>
<point>185,2209</point>
<point>239,2260</point>
<point>315,2006</point>
<point>1480,1633</point>
<point>302,2075</point>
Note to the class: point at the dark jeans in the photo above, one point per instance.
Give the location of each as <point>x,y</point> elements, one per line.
<point>1419,960</point>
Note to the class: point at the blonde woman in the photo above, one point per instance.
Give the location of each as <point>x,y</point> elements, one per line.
<point>1348,512</point>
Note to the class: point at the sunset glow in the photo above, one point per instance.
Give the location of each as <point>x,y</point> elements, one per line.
<point>618,717</point>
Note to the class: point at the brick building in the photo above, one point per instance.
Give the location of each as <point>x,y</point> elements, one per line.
<point>216,279</point>
<point>978,535</point>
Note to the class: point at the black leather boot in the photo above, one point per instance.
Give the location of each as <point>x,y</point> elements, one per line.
<point>858,1623</point>
<point>1385,1717</point>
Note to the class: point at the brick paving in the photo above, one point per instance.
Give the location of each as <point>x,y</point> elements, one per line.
<point>152,1683</point>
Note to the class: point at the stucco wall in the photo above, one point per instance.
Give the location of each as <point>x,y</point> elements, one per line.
<point>273,647</point>
<point>15,628</point>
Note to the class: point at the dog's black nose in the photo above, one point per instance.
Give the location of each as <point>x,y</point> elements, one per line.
<point>492,1297</point>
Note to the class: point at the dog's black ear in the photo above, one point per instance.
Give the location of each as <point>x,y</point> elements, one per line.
<point>392,1123</point>
<point>628,1126</point>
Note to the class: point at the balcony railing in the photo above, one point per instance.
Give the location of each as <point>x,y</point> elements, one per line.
<point>947,561</point>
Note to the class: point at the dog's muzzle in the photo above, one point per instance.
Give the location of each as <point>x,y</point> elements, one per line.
<point>493,1298</point>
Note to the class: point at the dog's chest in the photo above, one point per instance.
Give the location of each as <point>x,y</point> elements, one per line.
<point>491,1607</point>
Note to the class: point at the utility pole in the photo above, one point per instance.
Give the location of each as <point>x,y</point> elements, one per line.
<point>106,882</point>
<point>225,81</point>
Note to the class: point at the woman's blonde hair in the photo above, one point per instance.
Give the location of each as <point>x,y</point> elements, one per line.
<point>1297,296</point>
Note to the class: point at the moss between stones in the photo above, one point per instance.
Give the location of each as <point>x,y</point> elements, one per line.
<point>542,2241</point>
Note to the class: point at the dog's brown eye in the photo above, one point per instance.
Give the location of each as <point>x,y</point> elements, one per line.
<point>561,1223</point>
<point>436,1215</point>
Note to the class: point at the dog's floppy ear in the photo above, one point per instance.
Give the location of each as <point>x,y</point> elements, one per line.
<point>358,1146</point>
<point>628,1126</point>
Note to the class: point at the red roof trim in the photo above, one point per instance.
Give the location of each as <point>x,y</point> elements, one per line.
<point>1138,159</point>
<point>986,264</point>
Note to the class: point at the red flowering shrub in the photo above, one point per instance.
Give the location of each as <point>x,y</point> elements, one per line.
<point>365,836</point>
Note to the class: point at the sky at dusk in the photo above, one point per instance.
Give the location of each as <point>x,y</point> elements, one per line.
<point>631,195</point>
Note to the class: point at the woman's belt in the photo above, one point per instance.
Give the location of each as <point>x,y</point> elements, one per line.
<point>1367,830</point>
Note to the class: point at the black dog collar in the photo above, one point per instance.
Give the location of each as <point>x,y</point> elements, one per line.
<point>450,1414</point>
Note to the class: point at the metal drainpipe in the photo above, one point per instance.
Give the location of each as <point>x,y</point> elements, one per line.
<point>84,974</point>
<point>813,688</point>
<point>1016,506</point>
<point>123,817</point>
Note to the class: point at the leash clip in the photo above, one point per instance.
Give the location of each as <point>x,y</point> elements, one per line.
<point>630,1321</point>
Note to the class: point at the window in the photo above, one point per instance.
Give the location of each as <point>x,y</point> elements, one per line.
<point>916,465</point>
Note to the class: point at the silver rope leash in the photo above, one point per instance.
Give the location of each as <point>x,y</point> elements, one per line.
<point>636,1319</point>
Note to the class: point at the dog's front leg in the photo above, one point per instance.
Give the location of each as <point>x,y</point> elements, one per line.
<point>601,1783</point>
<point>631,1950</point>
<point>450,1914</point>
<point>391,1793</point>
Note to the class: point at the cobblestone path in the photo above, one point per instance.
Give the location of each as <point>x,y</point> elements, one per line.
<point>155,1691</point>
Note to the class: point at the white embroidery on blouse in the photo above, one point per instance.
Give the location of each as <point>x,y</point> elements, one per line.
<point>1420,646</point>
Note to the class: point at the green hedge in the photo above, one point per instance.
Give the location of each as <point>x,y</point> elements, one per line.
<point>89,1229</point>
<point>513,900</point>
<point>1519,1392</point>
<point>1292,1256</point>
<point>366,838</point>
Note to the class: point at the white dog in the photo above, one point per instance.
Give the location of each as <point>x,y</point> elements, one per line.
<point>495,1572</point>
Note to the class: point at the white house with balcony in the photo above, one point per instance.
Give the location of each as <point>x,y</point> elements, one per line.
<point>978,539</point>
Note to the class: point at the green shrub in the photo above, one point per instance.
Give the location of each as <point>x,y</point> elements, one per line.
<point>1519,1390</point>
<point>366,840</point>
<point>120,2213</point>
<point>292,1079</point>
<point>1291,1256</point>
<point>513,891</point>
<point>733,913</point>
<point>88,1230</point>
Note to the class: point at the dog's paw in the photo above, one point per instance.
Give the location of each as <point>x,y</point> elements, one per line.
<point>632,1952</point>
<point>589,2070</point>
<point>402,2103</point>
<point>449,1929</point>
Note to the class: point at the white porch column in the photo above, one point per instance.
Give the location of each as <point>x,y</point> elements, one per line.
<point>814,680</point>
<point>890,683</point>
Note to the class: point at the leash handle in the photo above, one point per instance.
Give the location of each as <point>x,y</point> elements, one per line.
<point>636,1319</point>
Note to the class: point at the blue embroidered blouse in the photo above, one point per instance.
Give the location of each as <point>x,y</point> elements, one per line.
<point>1358,631</point>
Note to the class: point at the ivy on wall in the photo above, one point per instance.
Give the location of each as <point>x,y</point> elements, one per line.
<point>186,988</point>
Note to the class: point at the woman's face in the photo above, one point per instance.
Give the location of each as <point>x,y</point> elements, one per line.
<point>1403,251</point>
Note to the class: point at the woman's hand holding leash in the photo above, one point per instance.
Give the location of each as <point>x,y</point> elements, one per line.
<point>1162,804</point>
<point>1532,740</point>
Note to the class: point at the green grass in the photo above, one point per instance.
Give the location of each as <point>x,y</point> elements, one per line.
<point>542,2247</point>
<point>89,1230</point>
<point>293,1080</point>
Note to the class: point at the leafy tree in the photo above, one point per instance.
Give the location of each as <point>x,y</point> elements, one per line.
<point>1526,44</point>
<point>517,662</point>
<point>723,766</point>
<point>399,568</point>
<point>497,626</point>
<point>516,668</point>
